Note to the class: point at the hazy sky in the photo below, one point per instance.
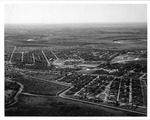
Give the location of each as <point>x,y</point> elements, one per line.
<point>74,13</point>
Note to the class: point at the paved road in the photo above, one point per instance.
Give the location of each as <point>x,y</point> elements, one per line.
<point>48,63</point>
<point>12,54</point>
<point>55,55</point>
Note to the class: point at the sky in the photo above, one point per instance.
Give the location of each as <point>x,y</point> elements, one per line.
<point>74,13</point>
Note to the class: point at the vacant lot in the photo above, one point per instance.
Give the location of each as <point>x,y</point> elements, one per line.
<point>35,86</point>
<point>47,77</point>
<point>55,106</point>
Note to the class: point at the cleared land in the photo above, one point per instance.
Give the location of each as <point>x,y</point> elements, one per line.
<point>50,106</point>
<point>35,86</point>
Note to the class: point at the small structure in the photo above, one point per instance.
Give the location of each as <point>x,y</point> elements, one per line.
<point>90,96</point>
<point>101,96</point>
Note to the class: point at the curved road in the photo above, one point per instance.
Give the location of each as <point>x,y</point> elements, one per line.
<point>19,91</point>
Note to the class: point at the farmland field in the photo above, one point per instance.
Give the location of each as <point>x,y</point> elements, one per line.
<point>101,35</point>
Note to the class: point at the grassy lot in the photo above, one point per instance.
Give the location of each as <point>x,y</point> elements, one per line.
<point>35,86</point>
<point>86,71</point>
<point>55,106</point>
<point>47,77</point>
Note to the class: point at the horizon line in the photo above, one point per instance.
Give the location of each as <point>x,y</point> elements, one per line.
<point>74,23</point>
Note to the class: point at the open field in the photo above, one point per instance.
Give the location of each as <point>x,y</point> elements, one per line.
<point>55,106</point>
<point>35,86</point>
<point>47,77</point>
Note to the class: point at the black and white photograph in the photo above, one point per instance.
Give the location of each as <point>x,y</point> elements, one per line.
<point>75,60</point>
